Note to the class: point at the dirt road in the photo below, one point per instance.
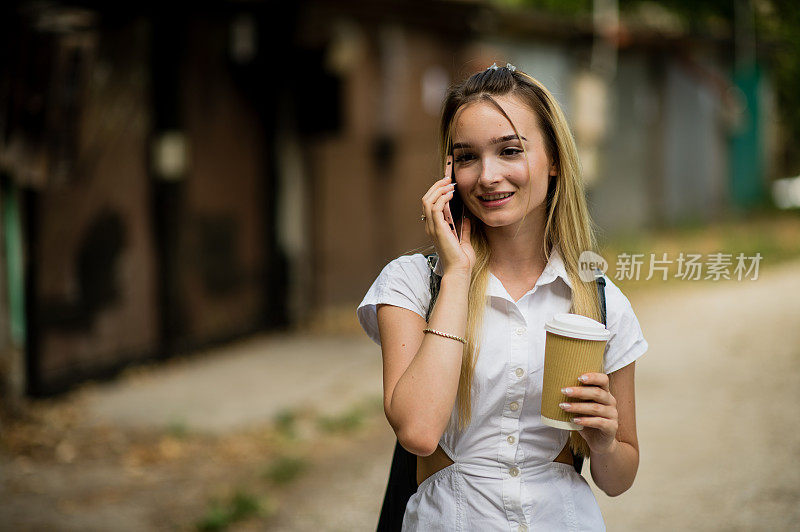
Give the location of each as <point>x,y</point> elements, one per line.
<point>717,404</point>
<point>717,399</point>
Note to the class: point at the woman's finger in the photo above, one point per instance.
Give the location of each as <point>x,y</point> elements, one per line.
<point>429,200</point>
<point>590,409</point>
<point>608,426</point>
<point>433,193</point>
<point>595,379</point>
<point>590,393</point>
<point>437,209</point>
<point>440,226</point>
<point>432,205</point>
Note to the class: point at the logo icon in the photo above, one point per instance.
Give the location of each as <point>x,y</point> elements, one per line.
<point>588,263</point>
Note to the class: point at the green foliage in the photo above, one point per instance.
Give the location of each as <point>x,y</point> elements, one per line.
<point>216,518</point>
<point>243,505</point>
<point>221,514</point>
<point>285,469</point>
<point>559,7</point>
<point>285,423</point>
<point>178,429</point>
<point>781,26</point>
<point>345,422</point>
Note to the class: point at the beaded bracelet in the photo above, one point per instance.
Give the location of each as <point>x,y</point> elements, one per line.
<point>454,337</point>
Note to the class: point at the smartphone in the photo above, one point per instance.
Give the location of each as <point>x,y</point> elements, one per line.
<point>455,205</point>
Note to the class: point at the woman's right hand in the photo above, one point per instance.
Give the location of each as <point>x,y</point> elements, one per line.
<point>455,256</point>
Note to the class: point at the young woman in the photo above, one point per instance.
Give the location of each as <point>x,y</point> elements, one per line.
<point>462,391</point>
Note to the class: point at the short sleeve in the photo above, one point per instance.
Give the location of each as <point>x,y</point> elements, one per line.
<point>404,282</point>
<point>627,342</point>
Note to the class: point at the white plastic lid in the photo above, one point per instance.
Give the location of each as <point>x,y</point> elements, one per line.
<point>577,326</point>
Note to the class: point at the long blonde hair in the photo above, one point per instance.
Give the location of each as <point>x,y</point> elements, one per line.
<point>567,225</point>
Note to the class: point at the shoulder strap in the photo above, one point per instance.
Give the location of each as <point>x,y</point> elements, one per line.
<point>600,281</point>
<point>435,282</point>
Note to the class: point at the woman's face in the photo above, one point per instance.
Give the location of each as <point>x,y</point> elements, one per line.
<point>488,160</point>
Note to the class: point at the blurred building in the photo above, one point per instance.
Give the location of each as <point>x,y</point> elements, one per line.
<point>173,179</point>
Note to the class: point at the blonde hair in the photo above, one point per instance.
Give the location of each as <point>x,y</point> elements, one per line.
<point>568,223</point>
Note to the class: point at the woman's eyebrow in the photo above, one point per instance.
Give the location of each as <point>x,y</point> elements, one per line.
<point>495,140</point>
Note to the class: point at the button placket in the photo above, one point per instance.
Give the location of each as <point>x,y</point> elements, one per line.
<point>517,357</point>
<point>510,452</point>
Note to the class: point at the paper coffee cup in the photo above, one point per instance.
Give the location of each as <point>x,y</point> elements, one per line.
<point>574,345</point>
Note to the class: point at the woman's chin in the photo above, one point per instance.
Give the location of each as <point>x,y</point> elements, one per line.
<point>498,221</point>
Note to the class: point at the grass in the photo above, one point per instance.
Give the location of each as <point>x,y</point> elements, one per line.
<point>345,422</point>
<point>285,469</point>
<point>286,423</point>
<point>178,429</point>
<point>240,506</point>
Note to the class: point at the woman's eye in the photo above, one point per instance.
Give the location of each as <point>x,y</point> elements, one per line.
<point>511,151</point>
<point>463,157</point>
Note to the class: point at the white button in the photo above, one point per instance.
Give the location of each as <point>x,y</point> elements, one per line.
<point>514,405</point>
<point>520,331</point>
<point>514,471</point>
<point>511,439</point>
<point>520,372</point>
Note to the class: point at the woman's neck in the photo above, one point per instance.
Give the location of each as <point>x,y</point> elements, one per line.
<point>515,254</point>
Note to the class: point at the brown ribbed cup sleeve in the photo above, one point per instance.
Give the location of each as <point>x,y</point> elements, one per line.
<point>566,359</point>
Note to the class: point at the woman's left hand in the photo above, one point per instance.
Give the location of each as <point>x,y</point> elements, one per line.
<point>598,416</point>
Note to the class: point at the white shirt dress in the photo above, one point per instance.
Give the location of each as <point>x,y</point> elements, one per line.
<point>503,476</point>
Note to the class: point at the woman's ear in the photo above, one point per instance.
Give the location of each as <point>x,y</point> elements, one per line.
<point>553,170</point>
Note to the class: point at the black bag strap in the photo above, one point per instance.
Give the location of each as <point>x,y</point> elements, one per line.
<point>435,282</point>
<point>600,281</point>
<point>403,474</point>
<point>401,486</point>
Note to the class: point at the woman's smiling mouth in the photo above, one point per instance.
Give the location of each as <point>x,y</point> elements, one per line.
<point>495,200</point>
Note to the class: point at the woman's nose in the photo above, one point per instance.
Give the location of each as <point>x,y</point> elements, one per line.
<point>491,172</point>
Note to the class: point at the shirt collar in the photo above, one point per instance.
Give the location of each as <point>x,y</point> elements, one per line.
<point>554,269</point>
